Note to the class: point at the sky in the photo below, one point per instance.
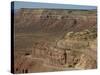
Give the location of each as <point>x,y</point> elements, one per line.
<point>20,4</point>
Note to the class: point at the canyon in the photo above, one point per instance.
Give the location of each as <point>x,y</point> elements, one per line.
<point>54,40</point>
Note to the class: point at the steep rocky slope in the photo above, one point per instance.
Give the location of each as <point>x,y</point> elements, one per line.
<point>52,20</point>
<point>55,40</point>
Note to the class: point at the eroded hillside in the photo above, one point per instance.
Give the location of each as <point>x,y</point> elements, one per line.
<point>31,20</point>
<point>54,40</point>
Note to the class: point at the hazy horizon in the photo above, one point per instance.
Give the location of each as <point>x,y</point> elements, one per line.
<point>20,4</point>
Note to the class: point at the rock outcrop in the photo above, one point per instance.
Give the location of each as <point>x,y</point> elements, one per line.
<point>53,40</point>
<point>51,20</point>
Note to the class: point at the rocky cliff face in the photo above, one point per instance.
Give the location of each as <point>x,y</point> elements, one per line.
<point>55,39</point>
<point>52,20</point>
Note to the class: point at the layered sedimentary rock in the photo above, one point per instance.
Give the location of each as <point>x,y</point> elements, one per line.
<point>53,40</point>
<point>51,20</point>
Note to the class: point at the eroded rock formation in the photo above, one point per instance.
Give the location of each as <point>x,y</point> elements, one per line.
<point>53,40</point>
